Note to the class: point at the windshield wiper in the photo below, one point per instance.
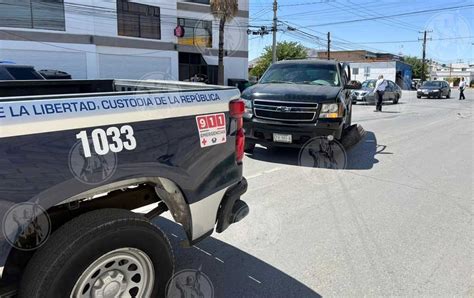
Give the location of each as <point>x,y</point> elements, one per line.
<point>278,82</point>
<point>313,83</point>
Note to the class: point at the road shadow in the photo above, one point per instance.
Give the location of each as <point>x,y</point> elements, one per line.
<point>233,272</point>
<point>361,156</point>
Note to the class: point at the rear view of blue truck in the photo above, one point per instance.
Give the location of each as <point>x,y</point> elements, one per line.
<point>77,156</point>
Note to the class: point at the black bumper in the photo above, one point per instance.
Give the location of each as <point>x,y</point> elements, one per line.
<point>232,209</point>
<point>260,132</point>
<point>429,93</point>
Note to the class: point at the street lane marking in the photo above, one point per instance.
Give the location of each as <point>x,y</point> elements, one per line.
<point>263,173</point>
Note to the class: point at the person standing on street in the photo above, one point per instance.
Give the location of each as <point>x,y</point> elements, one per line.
<point>379,90</point>
<point>462,86</point>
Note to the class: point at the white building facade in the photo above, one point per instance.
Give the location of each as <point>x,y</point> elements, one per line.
<point>396,71</point>
<point>452,72</point>
<point>125,39</point>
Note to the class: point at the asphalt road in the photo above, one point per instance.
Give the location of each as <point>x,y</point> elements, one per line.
<point>396,221</point>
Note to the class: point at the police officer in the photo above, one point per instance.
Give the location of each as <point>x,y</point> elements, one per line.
<point>379,90</point>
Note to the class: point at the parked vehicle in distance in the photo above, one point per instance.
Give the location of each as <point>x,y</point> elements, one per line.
<point>53,74</point>
<point>356,84</point>
<point>11,71</point>
<point>436,89</point>
<point>298,100</point>
<point>366,94</point>
<point>78,156</point>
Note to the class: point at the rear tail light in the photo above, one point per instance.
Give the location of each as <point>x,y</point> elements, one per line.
<point>237,110</point>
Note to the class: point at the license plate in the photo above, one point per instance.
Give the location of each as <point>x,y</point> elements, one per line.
<point>359,97</point>
<point>281,138</point>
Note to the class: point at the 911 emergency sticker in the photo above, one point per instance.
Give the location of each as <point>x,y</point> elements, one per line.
<point>212,129</point>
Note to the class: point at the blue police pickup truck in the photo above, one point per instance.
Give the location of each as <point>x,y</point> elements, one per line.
<point>77,156</point>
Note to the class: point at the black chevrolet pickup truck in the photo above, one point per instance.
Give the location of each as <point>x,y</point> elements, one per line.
<point>298,100</point>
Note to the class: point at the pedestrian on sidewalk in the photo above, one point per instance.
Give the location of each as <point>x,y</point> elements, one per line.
<point>379,90</point>
<point>462,86</point>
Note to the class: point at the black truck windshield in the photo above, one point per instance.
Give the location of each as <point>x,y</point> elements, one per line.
<point>313,74</point>
<point>432,84</point>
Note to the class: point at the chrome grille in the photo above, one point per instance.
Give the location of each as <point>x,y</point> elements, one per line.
<point>285,110</point>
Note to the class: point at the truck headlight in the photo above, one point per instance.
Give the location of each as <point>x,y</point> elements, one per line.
<point>330,110</point>
<point>248,107</point>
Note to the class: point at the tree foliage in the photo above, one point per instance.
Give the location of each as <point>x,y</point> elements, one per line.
<point>224,11</point>
<point>417,65</point>
<point>285,51</point>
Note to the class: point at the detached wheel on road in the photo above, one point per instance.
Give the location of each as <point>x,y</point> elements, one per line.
<point>103,253</point>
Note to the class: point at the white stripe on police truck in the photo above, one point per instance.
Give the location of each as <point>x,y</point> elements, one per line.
<point>49,115</point>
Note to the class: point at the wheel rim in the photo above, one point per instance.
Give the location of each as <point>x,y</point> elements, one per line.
<point>124,272</point>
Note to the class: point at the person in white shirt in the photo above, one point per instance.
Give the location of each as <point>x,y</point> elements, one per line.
<point>379,91</point>
<point>462,86</point>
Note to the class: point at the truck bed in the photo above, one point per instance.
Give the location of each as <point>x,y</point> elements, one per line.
<point>88,87</point>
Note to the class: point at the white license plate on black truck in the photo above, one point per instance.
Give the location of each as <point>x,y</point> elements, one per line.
<point>282,138</point>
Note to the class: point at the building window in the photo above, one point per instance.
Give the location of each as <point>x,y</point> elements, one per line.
<point>196,33</point>
<point>35,14</point>
<point>355,71</point>
<point>199,1</point>
<point>138,20</point>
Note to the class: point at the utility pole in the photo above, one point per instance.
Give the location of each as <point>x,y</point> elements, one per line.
<point>275,20</point>
<point>423,75</point>
<point>329,45</point>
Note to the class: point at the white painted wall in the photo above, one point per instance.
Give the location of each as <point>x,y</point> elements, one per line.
<point>124,63</point>
<point>387,69</point>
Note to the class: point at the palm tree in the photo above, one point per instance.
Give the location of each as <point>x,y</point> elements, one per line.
<point>224,11</point>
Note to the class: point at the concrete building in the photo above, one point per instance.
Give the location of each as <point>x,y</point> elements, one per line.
<point>368,65</point>
<point>452,72</point>
<point>129,39</point>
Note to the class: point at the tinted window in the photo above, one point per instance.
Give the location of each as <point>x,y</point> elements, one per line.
<point>314,74</point>
<point>23,73</point>
<point>432,84</point>
<point>369,84</point>
<point>37,14</point>
<point>138,20</point>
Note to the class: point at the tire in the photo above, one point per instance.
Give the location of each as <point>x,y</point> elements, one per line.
<point>249,147</point>
<point>395,100</point>
<point>354,102</point>
<point>57,268</point>
<point>418,96</point>
<point>449,95</point>
<point>440,96</point>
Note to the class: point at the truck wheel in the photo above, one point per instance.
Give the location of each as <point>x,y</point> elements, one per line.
<point>103,253</point>
<point>249,148</point>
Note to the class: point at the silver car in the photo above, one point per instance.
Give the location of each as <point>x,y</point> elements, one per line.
<point>366,94</point>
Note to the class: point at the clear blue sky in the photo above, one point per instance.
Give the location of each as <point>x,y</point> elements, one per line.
<point>452,36</point>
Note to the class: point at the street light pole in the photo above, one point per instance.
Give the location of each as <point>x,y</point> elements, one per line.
<point>275,20</point>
